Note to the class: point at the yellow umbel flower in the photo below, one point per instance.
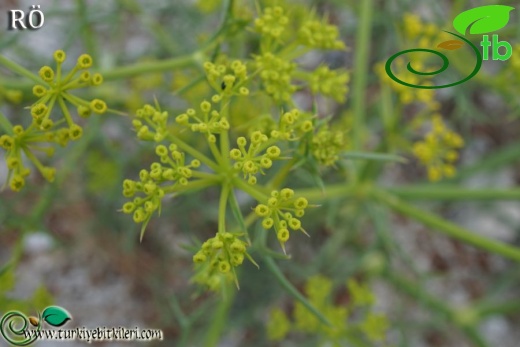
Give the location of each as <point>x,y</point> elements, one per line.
<point>217,259</point>
<point>278,325</point>
<point>439,150</point>
<point>283,211</point>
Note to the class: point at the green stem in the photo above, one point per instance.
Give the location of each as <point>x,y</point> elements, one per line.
<point>249,189</point>
<point>275,270</point>
<point>331,192</point>
<point>453,193</point>
<point>224,194</point>
<point>224,149</point>
<point>361,63</point>
<point>194,153</point>
<point>224,137</point>
<point>5,124</point>
<point>200,174</point>
<point>149,67</point>
<point>411,288</point>
<point>177,312</point>
<point>504,308</point>
<point>219,320</point>
<point>86,29</point>
<point>65,111</point>
<point>215,152</point>
<point>11,65</point>
<point>227,15</point>
<point>447,227</point>
<point>193,185</point>
<point>237,213</point>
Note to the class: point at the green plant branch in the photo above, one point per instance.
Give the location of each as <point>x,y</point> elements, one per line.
<point>11,65</point>
<point>374,156</point>
<point>447,227</point>
<point>192,186</point>
<point>227,16</point>
<point>224,194</point>
<point>441,192</point>
<point>237,213</point>
<point>249,189</point>
<point>453,193</point>
<point>219,320</point>
<point>5,124</point>
<point>114,73</point>
<point>150,67</point>
<point>277,273</point>
<point>331,192</point>
<point>195,153</point>
<point>86,29</point>
<point>361,63</point>
<point>503,308</point>
<point>177,312</point>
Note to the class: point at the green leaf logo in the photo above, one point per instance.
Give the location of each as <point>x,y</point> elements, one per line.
<point>483,19</point>
<point>56,316</point>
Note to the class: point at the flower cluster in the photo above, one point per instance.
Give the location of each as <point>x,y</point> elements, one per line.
<point>227,81</point>
<point>319,291</point>
<point>282,210</point>
<point>43,130</point>
<point>217,259</point>
<point>21,142</point>
<point>261,138</point>
<point>151,185</point>
<point>329,82</point>
<point>280,46</point>
<point>272,23</point>
<point>327,145</point>
<point>439,150</point>
<point>414,28</point>
<point>249,161</point>
<point>320,35</point>
<point>151,124</point>
<point>209,123</point>
<point>418,35</point>
<point>292,125</point>
<point>406,94</point>
<point>56,90</point>
<point>276,74</point>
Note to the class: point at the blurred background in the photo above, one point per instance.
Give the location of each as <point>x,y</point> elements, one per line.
<point>67,242</point>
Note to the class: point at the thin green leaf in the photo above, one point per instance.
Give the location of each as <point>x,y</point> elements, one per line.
<point>143,228</point>
<point>275,270</point>
<point>235,208</point>
<point>248,256</point>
